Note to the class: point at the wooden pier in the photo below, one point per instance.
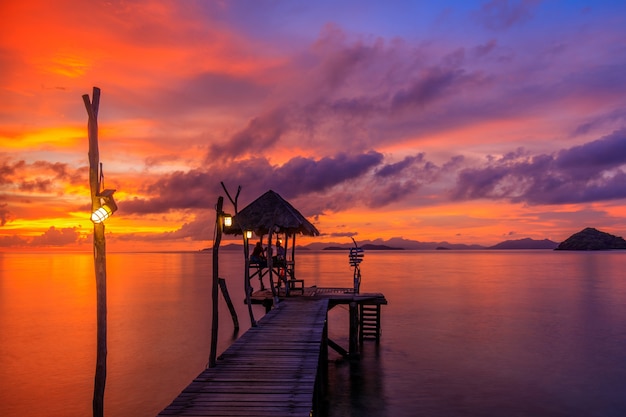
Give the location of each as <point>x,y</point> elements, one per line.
<point>278,368</point>
<point>364,308</point>
<point>271,370</point>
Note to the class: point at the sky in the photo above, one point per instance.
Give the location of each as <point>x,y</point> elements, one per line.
<point>460,121</point>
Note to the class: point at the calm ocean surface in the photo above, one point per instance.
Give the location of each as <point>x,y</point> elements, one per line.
<point>466,333</point>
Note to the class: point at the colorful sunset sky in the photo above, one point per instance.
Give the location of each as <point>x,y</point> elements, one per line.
<point>460,121</point>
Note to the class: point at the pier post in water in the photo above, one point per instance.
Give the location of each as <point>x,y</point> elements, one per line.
<point>353,349</point>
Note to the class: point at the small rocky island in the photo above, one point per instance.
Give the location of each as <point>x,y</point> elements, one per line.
<point>592,239</point>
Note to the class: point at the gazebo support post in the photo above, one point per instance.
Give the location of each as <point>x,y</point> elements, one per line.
<point>270,266</point>
<point>247,286</point>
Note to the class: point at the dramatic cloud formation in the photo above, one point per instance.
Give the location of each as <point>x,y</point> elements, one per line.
<point>445,121</point>
<point>593,172</point>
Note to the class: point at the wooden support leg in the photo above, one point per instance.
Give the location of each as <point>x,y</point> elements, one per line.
<point>354,330</point>
<point>321,379</point>
<point>229,303</point>
<point>261,280</point>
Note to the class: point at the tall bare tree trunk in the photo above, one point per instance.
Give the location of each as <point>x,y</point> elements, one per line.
<point>99,253</point>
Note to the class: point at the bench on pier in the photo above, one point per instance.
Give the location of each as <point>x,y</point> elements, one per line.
<point>296,285</point>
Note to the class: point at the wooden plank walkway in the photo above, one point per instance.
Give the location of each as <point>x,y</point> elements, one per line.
<point>270,370</point>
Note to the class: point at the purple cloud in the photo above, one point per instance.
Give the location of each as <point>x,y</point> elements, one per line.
<point>198,189</point>
<point>429,85</point>
<point>259,136</point>
<point>597,156</point>
<point>590,172</point>
<point>394,169</point>
<point>305,175</point>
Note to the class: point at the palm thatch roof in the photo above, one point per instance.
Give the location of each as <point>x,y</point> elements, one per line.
<point>271,210</point>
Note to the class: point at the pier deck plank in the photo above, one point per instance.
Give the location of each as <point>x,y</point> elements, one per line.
<point>269,371</point>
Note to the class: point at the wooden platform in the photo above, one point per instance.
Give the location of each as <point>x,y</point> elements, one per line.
<point>271,370</point>
<point>334,295</point>
<point>368,325</point>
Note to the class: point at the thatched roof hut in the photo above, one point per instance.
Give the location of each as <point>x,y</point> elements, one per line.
<point>271,211</point>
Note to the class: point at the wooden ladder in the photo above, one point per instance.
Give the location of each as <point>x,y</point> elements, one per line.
<point>369,322</point>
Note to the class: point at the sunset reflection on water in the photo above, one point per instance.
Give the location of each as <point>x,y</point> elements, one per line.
<point>465,333</point>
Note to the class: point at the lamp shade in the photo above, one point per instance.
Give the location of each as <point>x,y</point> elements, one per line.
<point>228,220</point>
<point>101,214</point>
<point>107,208</point>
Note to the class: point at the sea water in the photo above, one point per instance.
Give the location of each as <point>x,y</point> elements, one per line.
<point>465,333</point>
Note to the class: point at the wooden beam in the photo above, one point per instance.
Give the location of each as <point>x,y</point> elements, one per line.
<point>335,346</point>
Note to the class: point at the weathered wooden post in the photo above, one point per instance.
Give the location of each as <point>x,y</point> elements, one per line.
<point>246,276</point>
<point>270,266</point>
<point>219,225</point>
<point>99,253</point>
<point>246,256</point>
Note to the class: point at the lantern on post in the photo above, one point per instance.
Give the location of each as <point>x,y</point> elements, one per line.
<point>228,219</point>
<point>107,208</point>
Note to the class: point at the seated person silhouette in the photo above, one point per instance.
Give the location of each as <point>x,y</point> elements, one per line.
<point>279,259</point>
<point>258,256</point>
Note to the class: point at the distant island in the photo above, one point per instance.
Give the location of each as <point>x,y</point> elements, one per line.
<point>587,239</point>
<point>367,246</point>
<point>404,244</point>
<point>526,243</point>
<point>395,244</point>
<point>592,239</point>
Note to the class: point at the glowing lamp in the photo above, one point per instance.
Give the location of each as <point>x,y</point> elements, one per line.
<point>107,208</point>
<point>248,234</point>
<point>228,220</point>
